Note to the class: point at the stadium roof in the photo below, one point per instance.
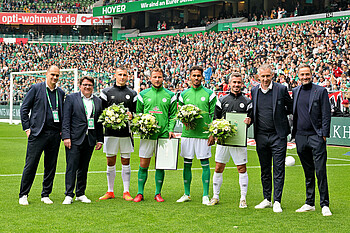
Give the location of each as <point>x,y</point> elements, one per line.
<point>145,5</point>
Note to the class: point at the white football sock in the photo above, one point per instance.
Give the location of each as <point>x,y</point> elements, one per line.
<point>243,183</point>
<point>126,171</point>
<point>217,182</point>
<point>111,172</point>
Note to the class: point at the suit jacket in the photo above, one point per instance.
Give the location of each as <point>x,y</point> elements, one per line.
<point>282,106</point>
<point>75,122</point>
<point>319,110</point>
<point>35,103</point>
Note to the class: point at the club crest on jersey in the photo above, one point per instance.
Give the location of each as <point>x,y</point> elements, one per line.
<point>203,98</point>
<point>149,100</point>
<point>156,110</point>
<point>112,97</point>
<point>127,97</point>
<point>164,100</point>
<point>226,105</point>
<point>241,105</point>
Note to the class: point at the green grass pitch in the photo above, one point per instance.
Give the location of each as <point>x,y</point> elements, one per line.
<point>118,215</point>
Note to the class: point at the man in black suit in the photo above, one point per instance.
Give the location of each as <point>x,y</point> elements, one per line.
<point>311,127</point>
<point>271,105</point>
<point>80,132</point>
<point>41,116</point>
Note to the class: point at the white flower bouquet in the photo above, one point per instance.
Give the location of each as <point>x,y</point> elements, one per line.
<point>188,114</point>
<point>144,124</point>
<point>114,117</point>
<point>222,129</point>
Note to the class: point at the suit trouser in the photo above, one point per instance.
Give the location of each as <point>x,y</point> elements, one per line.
<point>77,159</point>
<point>271,147</point>
<point>47,141</point>
<point>312,152</point>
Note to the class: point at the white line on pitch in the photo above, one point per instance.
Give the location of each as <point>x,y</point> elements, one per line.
<point>152,170</point>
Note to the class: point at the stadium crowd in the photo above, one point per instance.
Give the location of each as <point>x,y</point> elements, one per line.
<point>323,45</point>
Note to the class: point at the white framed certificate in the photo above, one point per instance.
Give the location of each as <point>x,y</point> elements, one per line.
<point>166,153</point>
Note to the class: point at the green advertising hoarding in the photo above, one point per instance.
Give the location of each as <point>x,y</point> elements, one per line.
<point>340,131</point>
<point>146,5</point>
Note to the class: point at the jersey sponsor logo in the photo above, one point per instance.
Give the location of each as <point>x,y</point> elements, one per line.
<point>241,105</point>
<point>112,97</point>
<point>164,100</point>
<point>127,97</point>
<point>203,98</point>
<point>226,105</point>
<point>156,110</point>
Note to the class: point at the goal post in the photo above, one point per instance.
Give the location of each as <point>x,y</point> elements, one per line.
<point>19,83</point>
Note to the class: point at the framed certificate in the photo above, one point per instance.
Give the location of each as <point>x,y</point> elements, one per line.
<point>166,153</point>
<point>240,139</point>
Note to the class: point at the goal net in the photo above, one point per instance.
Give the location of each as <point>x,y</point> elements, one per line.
<point>20,83</point>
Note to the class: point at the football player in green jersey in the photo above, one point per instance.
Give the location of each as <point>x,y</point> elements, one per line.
<point>160,102</point>
<point>197,141</point>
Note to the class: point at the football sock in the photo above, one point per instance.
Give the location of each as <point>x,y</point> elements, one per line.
<point>243,183</point>
<point>159,180</point>
<point>126,171</point>
<point>217,182</point>
<point>142,178</point>
<point>187,174</point>
<point>205,176</point>
<point>111,172</point>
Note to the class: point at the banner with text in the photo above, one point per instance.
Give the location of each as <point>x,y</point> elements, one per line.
<point>146,5</point>
<point>54,19</point>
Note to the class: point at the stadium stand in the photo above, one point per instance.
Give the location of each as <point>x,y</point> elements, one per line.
<point>323,45</point>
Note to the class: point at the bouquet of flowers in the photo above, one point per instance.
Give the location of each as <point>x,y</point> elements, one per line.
<point>222,129</point>
<point>188,114</point>
<point>144,124</point>
<point>114,117</point>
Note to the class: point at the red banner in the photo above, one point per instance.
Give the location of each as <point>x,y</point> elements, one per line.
<point>53,19</point>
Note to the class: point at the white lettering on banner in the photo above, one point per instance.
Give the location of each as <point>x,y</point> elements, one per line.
<point>346,132</point>
<point>49,19</point>
<point>114,9</point>
<point>163,3</point>
<point>335,131</point>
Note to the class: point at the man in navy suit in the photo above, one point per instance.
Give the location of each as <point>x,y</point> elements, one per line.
<point>271,105</point>
<point>80,132</point>
<point>41,116</point>
<point>311,127</point>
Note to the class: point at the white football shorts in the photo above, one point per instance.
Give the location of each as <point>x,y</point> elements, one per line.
<point>147,148</point>
<point>112,145</point>
<point>195,146</point>
<point>238,154</point>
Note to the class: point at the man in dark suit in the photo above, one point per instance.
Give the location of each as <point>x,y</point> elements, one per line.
<point>80,132</point>
<point>271,105</point>
<point>311,127</point>
<point>41,116</point>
